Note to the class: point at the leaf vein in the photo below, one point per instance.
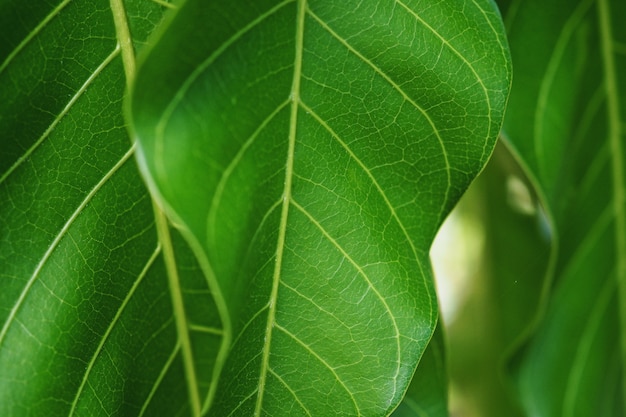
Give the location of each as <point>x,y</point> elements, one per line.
<point>243,401</point>
<point>291,391</point>
<point>180,315</point>
<point>548,79</point>
<point>182,91</point>
<point>465,61</point>
<point>62,114</point>
<point>282,231</point>
<point>113,323</point>
<point>55,12</point>
<point>310,300</point>
<point>406,97</point>
<point>323,362</point>
<point>369,283</point>
<point>219,189</point>
<point>157,382</point>
<point>57,239</point>
<point>248,323</point>
<point>382,193</point>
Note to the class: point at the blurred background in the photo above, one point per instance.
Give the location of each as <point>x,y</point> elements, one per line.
<point>497,224</point>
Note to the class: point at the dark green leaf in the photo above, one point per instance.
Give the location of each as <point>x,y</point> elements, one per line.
<point>566,121</point>
<point>86,319</point>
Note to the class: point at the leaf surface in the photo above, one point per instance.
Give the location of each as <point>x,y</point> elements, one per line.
<point>566,121</point>
<point>87,325</point>
<point>427,395</point>
<point>309,151</point>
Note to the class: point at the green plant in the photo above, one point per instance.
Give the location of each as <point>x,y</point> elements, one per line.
<point>238,222</point>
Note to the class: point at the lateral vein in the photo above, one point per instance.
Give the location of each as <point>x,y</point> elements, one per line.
<point>62,114</point>
<point>55,12</point>
<point>157,382</point>
<point>407,98</point>
<point>114,321</point>
<point>57,240</point>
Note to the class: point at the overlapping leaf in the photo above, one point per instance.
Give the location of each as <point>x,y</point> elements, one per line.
<point>309,152</point>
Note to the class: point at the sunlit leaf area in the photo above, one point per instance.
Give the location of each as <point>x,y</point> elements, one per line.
<point>407,208</point>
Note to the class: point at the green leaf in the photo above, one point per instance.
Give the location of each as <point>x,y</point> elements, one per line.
<point>86,319</point>
<point>566,120</point>
<point>309,151</point>
<point>427,394</point>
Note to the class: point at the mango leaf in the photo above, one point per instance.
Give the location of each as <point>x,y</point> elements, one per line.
<point>87,325</point>
<point>566,121</point>
<point>309,151</point>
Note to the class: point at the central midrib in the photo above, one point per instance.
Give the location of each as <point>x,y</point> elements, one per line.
<point>286,198</point>
<point>615,133</point>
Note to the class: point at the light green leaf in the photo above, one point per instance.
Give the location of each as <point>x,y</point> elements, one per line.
<point>86,319</point>
<point>309,151</point>
<point>566,121</point>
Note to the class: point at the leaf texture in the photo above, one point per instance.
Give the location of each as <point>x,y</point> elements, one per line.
<point>309,151</point>
<point>87,325</point>
<point>566,121</point>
